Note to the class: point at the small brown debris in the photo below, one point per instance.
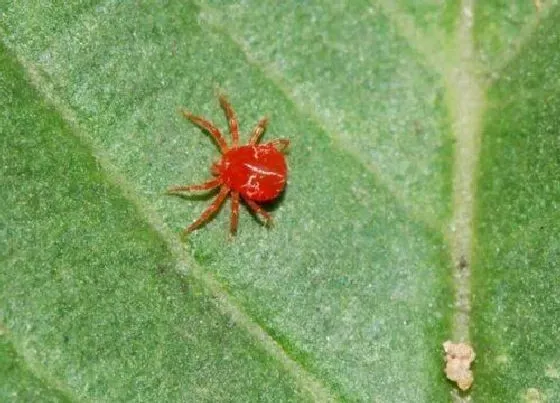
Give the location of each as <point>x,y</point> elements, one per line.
<point>458,359</point>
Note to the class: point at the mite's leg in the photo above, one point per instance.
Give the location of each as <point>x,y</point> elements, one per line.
<point>232,120</point>
<point>280,144</point>
<point>234,213</point>
<point>211,184</point>
<point>209,127</point>
<point>258,131</point>
<point>259,210</point>
<point>210,211</point>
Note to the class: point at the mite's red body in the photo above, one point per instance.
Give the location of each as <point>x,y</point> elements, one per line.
<point>253,172</point>
<point>257,172</point>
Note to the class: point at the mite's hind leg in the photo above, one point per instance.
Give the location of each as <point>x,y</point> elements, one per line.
<point>210,211</point>
<point>259,210</point>
<point>234,213</point>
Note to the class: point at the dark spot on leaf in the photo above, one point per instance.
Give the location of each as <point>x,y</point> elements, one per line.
<point>161,269</point>
<point>185,288</point>
<point>463,263</point>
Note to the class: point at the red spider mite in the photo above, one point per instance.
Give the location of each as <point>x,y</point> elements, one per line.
<point>255,172</point>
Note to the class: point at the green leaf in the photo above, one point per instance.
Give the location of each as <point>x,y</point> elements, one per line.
<point>422,202</point>
<point>517,254</point>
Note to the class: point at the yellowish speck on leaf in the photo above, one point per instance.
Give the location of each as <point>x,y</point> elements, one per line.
<point>533,395</point>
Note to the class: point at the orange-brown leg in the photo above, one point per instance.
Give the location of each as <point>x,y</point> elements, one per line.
<point>280,144</point>
<point>259,210</point>
<point>210,211</point>
<point>258,131</point>
<point>232,120</point>
<point>211,184</point>
<point>234,213</point>
<point>209,127</point>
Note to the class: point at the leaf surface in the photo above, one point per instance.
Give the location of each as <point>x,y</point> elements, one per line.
<point>418,142</point>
